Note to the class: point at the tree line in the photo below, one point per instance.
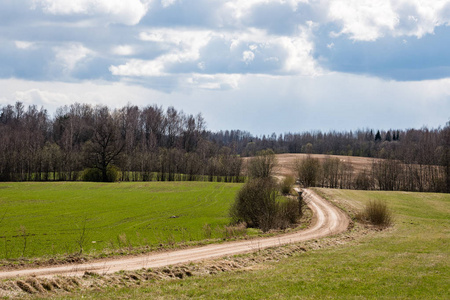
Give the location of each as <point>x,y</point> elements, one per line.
<point>422,146</point>
<point>383,174</point>
<point>413,159</point>
<point>146,143</point>
<point>151,143</point>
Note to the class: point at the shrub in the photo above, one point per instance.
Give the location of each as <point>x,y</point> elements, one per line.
<point>113,173</point>
<point>286,184</point>
<point>259,205</point>
<point>95,175</point>
<point>255,202</point>
<point>287,213</point>
<point>377,213</point>
<point>91,174</point>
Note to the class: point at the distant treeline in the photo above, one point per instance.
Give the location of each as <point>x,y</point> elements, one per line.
<point>420,146</point>
<point>413,159</point>
<point>382,174</point>
<point>151,143</point>
<point>130,143</point>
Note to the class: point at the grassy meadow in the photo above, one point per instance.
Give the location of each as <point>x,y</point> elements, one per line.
<point>407,261</point>
<point>51,219</point>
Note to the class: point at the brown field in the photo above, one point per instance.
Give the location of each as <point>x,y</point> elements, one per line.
<point>286,162</point>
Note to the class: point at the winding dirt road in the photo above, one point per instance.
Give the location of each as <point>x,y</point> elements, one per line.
<point>327,220</point>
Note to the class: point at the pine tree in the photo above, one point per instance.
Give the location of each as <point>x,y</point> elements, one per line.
<point>388,136</point>
<point>378,136</point>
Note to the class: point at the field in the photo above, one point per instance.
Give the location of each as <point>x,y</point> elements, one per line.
<point>54,219</point>
<point>286,162</point>
<point>408,261</point>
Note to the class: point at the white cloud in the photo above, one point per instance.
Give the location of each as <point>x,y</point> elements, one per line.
<point>69,56</point>
<point>418,18</point>
<point>139,67</point>
<point>23,45</point>
<point>365,20</point>
<point>167,3</point>
<point>214,82</point>
<point>368,20</point>
<point>248,56</point>
<point>299,59</point>
<point>124,50</point>
<point>223,52</point>
<point>239,8</point>
<point>128,12</point>
<point>184,46</point>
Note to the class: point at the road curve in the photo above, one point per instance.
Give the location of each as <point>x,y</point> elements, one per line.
<point>327,220</point>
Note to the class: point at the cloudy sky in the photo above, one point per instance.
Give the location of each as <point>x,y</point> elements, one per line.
<point>258,65</point>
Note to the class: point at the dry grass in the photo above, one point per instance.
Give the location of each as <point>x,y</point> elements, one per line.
<point>376,213</point>
<point>234,231</point>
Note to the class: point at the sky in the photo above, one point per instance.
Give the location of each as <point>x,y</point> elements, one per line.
<point>261,66</point>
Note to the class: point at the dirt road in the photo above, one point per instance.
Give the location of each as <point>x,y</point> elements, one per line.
<point>327,220</point>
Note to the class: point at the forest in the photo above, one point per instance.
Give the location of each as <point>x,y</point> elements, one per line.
<point>85,142</point>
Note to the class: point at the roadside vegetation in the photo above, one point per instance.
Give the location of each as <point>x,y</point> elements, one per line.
<point>376,212</point>
<point>408,261</point>
<point>261,203</point>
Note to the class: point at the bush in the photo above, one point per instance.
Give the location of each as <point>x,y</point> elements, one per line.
<point>287,213</point>
<point>286,184</point>
<point>113,173</point>
<point>258,204</point>
<point>255,202</point>
<point>95,175</point>
<point>92,174</point>
<point>377,213</point>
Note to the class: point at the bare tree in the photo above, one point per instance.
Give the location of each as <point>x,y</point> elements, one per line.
<point>308,171</point>
<point>106,144</point>
<point>262,165</point>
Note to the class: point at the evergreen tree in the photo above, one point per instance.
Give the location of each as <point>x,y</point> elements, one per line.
<point>388,136</point>
<point>378,136</point>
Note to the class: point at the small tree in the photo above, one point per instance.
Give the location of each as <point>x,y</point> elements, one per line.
<point>308,171</point>
<point>262,165</point>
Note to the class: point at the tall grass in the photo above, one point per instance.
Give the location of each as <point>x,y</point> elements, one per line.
<point>377,213</point>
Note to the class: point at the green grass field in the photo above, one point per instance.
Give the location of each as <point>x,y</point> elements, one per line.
<point>48,219</point>
<point>408,261</point>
